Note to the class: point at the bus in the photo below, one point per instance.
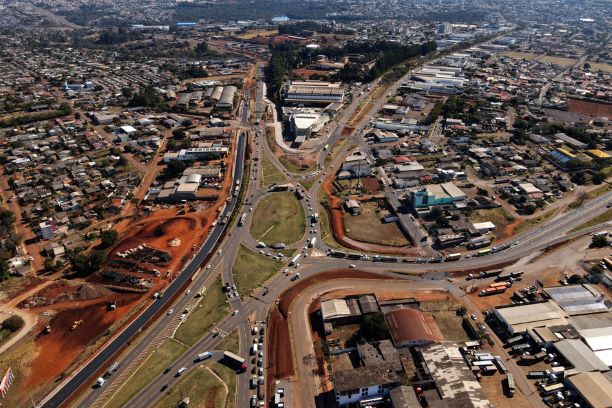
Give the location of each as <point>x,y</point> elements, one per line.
<point>510,384</point>
<point>236,360</point>
<point>483,252</point>
<point>452,257</point>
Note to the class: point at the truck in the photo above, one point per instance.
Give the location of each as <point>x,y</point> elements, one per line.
<point>514,339</point>
<point>499,285</point>
<point>552,388</point>
<point>492,291</point>
<point>235,360</point>
<point>312,242</point>
<point>204,356</point>
<point>521,347</point>
<point>294,260</point>
<point>242,219</point>
<point>484,252</point>
<point>536,374</point>
<point>500,364</point>
<point>112,369</point>
<point>510,384</point>
<point>452,257</point>
<point>484,274</point>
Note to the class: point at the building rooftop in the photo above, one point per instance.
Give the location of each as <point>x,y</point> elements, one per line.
<point>580,356</point>
<point>594,388</point>
<point>408,325</point>
<point>363,377</point>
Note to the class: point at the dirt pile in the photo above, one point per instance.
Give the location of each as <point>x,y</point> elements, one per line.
<point>62,291</point>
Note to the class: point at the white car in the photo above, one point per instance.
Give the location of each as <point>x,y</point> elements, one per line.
<point>352,266</point>
<point>170,312</point>
<point>235,312</point>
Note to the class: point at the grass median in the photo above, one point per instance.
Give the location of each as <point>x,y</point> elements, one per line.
<point>162,357</point>
<point>202,387</point>
<point>279,217</point>
<point>605,217</point>
<point>252,269</point>
<point>209,310</point>
<point>271,175</point>
<point>533,222</point>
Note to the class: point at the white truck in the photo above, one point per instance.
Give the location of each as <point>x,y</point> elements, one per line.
<point>204,356</point>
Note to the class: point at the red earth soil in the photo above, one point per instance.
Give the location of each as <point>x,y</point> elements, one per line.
<point>589,108</point>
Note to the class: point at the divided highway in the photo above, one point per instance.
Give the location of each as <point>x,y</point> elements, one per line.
<point>85,374</point>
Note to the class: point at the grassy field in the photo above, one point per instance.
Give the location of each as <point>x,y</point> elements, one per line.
<point>599,66</point>
<point>230,343</point>
<point>229,378</point>
<point>280,218</point>
<point>161,358</point>
<point>367,227</point>
<point>252,269</point>
<point>450,325</point>
<point>550,59</point>
<point>325,226</point>
<point>201,386</point>
<point>209,310</point>
<point>498,216</point>
<point>607,216</point>
<point>256,33</point>
<point>533,222</point>
<point>271,175</point>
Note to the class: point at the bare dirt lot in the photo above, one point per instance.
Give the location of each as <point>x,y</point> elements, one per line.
<point>589,108</point>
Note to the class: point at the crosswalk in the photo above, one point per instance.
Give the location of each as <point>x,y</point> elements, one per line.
<point>165,333</point>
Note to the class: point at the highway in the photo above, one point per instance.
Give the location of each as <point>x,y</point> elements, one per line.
<point>86,373</point>
<point>254,307</point>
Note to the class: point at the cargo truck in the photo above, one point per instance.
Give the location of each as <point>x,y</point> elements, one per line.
<point>492,291</point>
<point>204,356</point>
<point>235,360</point>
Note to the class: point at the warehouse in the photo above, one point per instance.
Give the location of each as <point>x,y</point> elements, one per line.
<point>579,356</point>
<point>594,388</point>
<point>226,100</point>
<point>600,341</point>
<point>410,327</point>
<point>577,299</point>
<point>522,317</point>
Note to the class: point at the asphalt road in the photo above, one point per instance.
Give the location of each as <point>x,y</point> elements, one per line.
<point>103,357</point>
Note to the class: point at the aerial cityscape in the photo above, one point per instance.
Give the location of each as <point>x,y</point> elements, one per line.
<point>305,204</point>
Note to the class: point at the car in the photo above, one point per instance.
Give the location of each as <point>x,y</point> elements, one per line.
<point>164,387</point>
<point>167,370</point>
<point>473,316</point>
<point>188,291</point>
<point>254,370</point>
<point>208,266</point>
<point>170,312</point>
<point>260,353</point>
<point>235,312</point>
<point>260,371</point>
<point>182,316</point>
<point>259,362</point>
<point>220,252</point>
<point>234,288</point>
<point>253,401</point>
<point>352,266</point>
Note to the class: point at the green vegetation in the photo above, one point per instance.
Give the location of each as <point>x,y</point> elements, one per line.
<point>148,97</point>
<point>450,324</point>
<point>279,218</point>
<point>209,310</point>
<point>271,175</point>
<point>607,216</point>
<point>325,224</point>
<point>533,222</point>
<point>87,264</point>
<point>229,378</point>
<point>162,357</point>
<point>230,343</point>
<point>287,251</point>
<point>9,241</point>
<point>373,328</point>
<point>201,386</point>
<point>260,10</point>
<point>108,238</point>
<point>599,241</point>
<point>252,269</point>
<point>17,120</point>
<point>9,326</point>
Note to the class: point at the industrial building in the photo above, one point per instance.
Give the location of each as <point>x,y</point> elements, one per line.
<point>578,299</point>
<point>314,93</point>
<point>197,153</point>
<point>456,384</point>
<point>357,164</point>
<point>594,388</point>
<point>579,356</point>
<point>226,99</point>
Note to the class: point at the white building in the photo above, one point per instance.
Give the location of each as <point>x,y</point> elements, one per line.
<point>358,165</point>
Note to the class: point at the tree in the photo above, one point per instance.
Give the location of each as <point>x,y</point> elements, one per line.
<point>598,178</point>
<point>108,237</point>
<point>599,241</point>
<point>576,279</point>
<point>84,264</point>
<point>374,327</point>
<point>4,270</point>
<point>13,323</point>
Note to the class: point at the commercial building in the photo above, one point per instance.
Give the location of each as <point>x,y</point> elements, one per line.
<point>404,397</point>
<point>358,165</point>
<point>520,318</point>
<point>436,194</point>
<point>197,153</point>
<point>314,93</point>
<point>445,28</point>
<point>358,384</point>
